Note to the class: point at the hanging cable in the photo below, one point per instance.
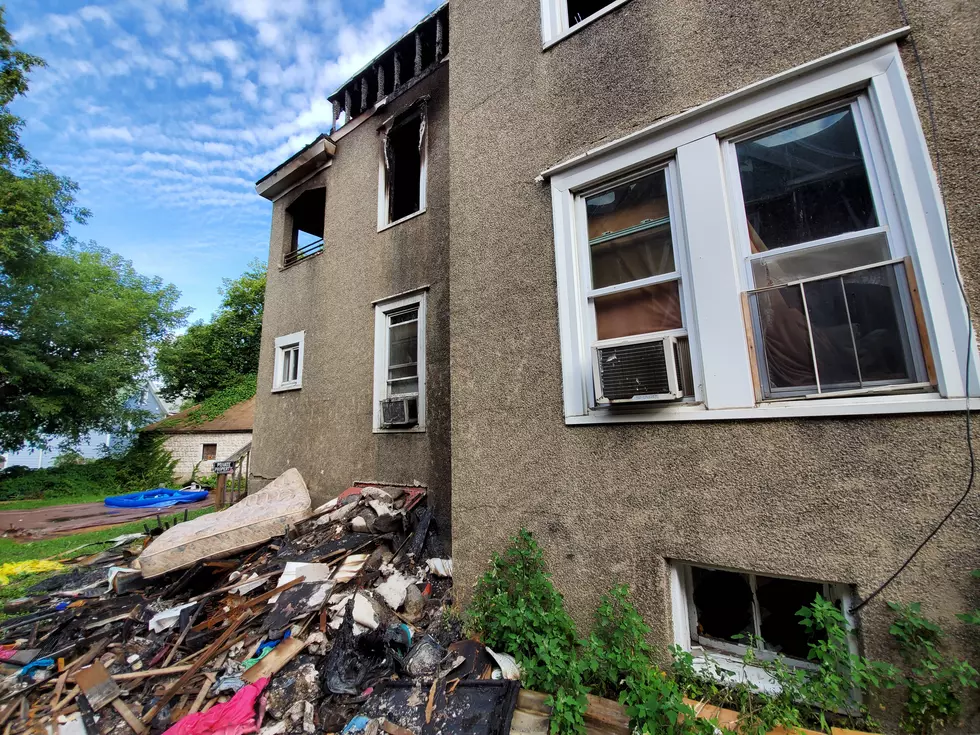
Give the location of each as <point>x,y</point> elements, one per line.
<point>969,334</point>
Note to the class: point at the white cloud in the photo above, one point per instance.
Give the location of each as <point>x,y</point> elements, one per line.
<point>111,134</point>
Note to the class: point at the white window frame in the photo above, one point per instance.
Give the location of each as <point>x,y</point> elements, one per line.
<point>697,140</point>
<point>284,343</point>
<point>727,655</point>
<point>382,308</point>
<point>383,198</point>
<point>555,25</point>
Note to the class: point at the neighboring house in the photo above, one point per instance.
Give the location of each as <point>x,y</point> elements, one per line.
<point>196,446</point>
<point>94,444</point>
<point>691,266</point>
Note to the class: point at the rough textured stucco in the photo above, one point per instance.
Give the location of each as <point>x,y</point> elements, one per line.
<point>187,449</point>
<point>325,429</point>
<point>838,500</point>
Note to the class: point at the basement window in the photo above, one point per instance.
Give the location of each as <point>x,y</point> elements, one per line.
<point>399,363</point>
<point>305,217</point>
<point>209,451</point>
<point>403,169</point>
<point>562,17</point>
<point>288,373</point>
<point>719,613</point>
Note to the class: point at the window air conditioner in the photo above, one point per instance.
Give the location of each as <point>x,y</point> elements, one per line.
<point>636,371</point>
<point>395,412</point>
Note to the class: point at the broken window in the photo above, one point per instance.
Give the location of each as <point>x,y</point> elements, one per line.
<point>404,167</point>
<point>831,304</point>
<point>729,610</point>
<point>400,362</point>
<point>289,362</point>
<point>209,451</point>
<point>579,10</point>
<point>306,216</point>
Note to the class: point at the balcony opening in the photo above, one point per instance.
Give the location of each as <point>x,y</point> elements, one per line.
<point>307,215</point>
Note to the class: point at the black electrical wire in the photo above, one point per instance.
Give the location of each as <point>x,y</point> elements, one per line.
<point>969,337</point>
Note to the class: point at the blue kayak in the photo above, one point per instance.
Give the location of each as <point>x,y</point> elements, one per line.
<point>162,497</point>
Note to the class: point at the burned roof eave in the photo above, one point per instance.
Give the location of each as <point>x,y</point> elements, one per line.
<point>296,168</point>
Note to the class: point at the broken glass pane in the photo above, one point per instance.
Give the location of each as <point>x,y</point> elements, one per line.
<point>628,205</point>
<point>779,601</point>
<point>639,311</point>
<point>724,604</point>
<point>805,182</point>
<point>579,10</point>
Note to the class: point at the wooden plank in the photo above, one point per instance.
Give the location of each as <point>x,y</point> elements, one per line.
<point>754,354</point>
<point>280,656</point>
<point>199,700</point>
<point>189,674</point>
<point>920,322</point>
<point>127,714</point>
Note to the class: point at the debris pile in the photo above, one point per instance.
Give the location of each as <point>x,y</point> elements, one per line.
<point>341,624</point>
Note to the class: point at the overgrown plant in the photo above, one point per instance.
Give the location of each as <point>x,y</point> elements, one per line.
<point>517,610</point>
<point>934,681</point>
<point>618,663</point>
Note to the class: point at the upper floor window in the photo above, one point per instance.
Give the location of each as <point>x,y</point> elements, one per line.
<point>774,249</point>
<point>305,221</point>
<point>830,302</point>
<point>288,366</point>
<point>402,178</point>
<point>561,17</point>
<point>399,363</point>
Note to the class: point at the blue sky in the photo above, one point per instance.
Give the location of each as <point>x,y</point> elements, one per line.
<point>166,112</point>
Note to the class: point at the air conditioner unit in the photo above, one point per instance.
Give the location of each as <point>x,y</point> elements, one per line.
<point>636,371</point>
<point>395,412</point>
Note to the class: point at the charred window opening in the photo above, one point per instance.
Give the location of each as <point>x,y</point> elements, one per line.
<point>307,215</point>
<point>209,451</point>
<point>579,10</point>
<point>404,152</point>
<point>731,610</point>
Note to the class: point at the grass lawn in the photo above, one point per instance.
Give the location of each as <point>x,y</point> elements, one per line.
<point>11,550</point>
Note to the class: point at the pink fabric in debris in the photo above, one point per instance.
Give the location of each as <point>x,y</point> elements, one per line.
<point>234,717</point>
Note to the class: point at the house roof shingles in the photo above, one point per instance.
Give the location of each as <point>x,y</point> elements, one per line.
<point>239,417</point>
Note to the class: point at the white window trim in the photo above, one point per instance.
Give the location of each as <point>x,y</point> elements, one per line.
<point>383,209</point>
<point>381,310</point>
<point>554,20</point>
<point>719,347</point>
<point>728,656</point>
<point>288,340</point>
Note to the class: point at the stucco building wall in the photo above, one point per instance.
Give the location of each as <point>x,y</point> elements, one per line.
<point>325,428</point>
<point>187,449</point>
<point>841,500</point>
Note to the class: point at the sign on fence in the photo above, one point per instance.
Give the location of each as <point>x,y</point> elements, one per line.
<point>223,468</point>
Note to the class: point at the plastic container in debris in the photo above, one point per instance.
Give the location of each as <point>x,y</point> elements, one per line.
<point>162,497</point>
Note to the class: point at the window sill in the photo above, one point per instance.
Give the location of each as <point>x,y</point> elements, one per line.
<point>852,406</point>
<point>397,222</point>
<point>412,430</point>
<point>286,388</point>
<point>579,26</point>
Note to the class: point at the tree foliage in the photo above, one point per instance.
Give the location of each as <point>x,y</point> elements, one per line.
<point>77,324</point>
<point>215,355</point>
<point>76,332</point>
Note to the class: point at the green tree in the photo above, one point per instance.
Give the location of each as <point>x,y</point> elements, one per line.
<point>76,333</point>
<point>214,355</point>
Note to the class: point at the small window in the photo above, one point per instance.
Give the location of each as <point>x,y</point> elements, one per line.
<point>829,292</point>
<point>399,388</point>
<point>288,362</point>
<point>722,612</point>
<point>561,17</point>
<point>403,169</point>
<point>305,217</point>
<point>209,451</point>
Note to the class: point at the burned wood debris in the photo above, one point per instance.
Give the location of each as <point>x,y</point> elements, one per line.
<point>342,624</point>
